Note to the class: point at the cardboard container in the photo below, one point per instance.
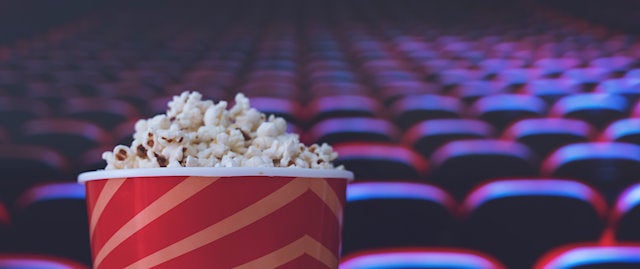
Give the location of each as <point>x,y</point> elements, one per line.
<point>215,217</point>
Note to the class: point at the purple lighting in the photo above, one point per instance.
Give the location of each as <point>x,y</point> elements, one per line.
<point>594,255</point>
<point>404,259</point>
<point>397,190</point>
<point>534,187</point>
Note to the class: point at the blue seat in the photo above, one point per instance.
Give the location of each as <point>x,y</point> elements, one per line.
<point>624,218</point>
<point>609,166</point>
<point>624,130</point>
<point>381,161</point>
<point>39,261</point>
<point>426,136</point>
<point>397,213</point>
<point>460,165</point>
<point>551,89</point>
<point>352,129</point>
<point>107,113</point>
<point>544,135</point>
<point>420,258</point>
<point>340,106</point>
<point>412,109</point>
<point>626,87</point>
<point>68,136</point>
<point>516,220</point>
<point>51,218</point>
<point>503,109</point>
<point>591,256</point>
<point>598,109</point>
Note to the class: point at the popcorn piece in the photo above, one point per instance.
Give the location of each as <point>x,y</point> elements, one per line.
<point>201,133</point>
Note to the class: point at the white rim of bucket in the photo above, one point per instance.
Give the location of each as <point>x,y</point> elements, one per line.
<point>216,172</point>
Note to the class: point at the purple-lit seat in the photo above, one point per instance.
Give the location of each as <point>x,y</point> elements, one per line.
<point>609,166</point>
<point>588,77</point>
<point>516,78</point>
<point>544,135</point>
<point>555,66</point>
<point>320,89</point>
<point>381,161</point>
<point>22,165</point>
<point>454,77</point>
<point>104,112</point>
<point>598,109</point>
<point>341,106</point>
<point>352,129</point>
<point>426,136</point>
<point>460,165</point>
<point>629,88</point>
<point>332,75</point>
<point>502,109</point>
<point>51,218</point>
<point>39,261</point>
<point>286,108</point>
<point>420,258</point>
<point>551,89</point>
<point>412,109</point>
<point>271,89</point>
<point>493,66</point>
<point>624,130</point>
<point>624,218</point>
<point>16,111</point>
<point>395,213</point>
<point>616,64</point>
<point>470,91</point>
<point>69,137</point>
<point>5,223</point>
<point>390,92</point>
<point>516,220</point>
<point>591,256</point>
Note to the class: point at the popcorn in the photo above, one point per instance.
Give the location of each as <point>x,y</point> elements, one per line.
<point>201,133</point>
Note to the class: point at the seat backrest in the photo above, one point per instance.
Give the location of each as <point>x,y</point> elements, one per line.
<point>460,165</point>
<point>591,256</point>
<point>397,213</point>
<point>39,261</point>
<point>420,258</point>
<point>516,220</point>
<point>381,161</point>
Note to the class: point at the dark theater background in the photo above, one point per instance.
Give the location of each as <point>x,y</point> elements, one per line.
<point>482,134</point>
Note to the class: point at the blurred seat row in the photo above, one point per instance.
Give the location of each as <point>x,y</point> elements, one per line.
<point>492,134</point>
<point>534,214</point>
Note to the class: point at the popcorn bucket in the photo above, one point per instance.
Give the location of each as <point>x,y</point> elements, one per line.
<point>215,217</point>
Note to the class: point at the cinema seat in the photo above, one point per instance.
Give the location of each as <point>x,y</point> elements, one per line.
<point>420,258</point>
<point>397,213</point>
<point>516,220</point>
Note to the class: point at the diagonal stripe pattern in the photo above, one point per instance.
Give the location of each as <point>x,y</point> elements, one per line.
<point>240,220</point>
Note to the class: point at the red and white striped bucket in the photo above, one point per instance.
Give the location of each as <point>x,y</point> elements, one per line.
<point>216,217</point>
